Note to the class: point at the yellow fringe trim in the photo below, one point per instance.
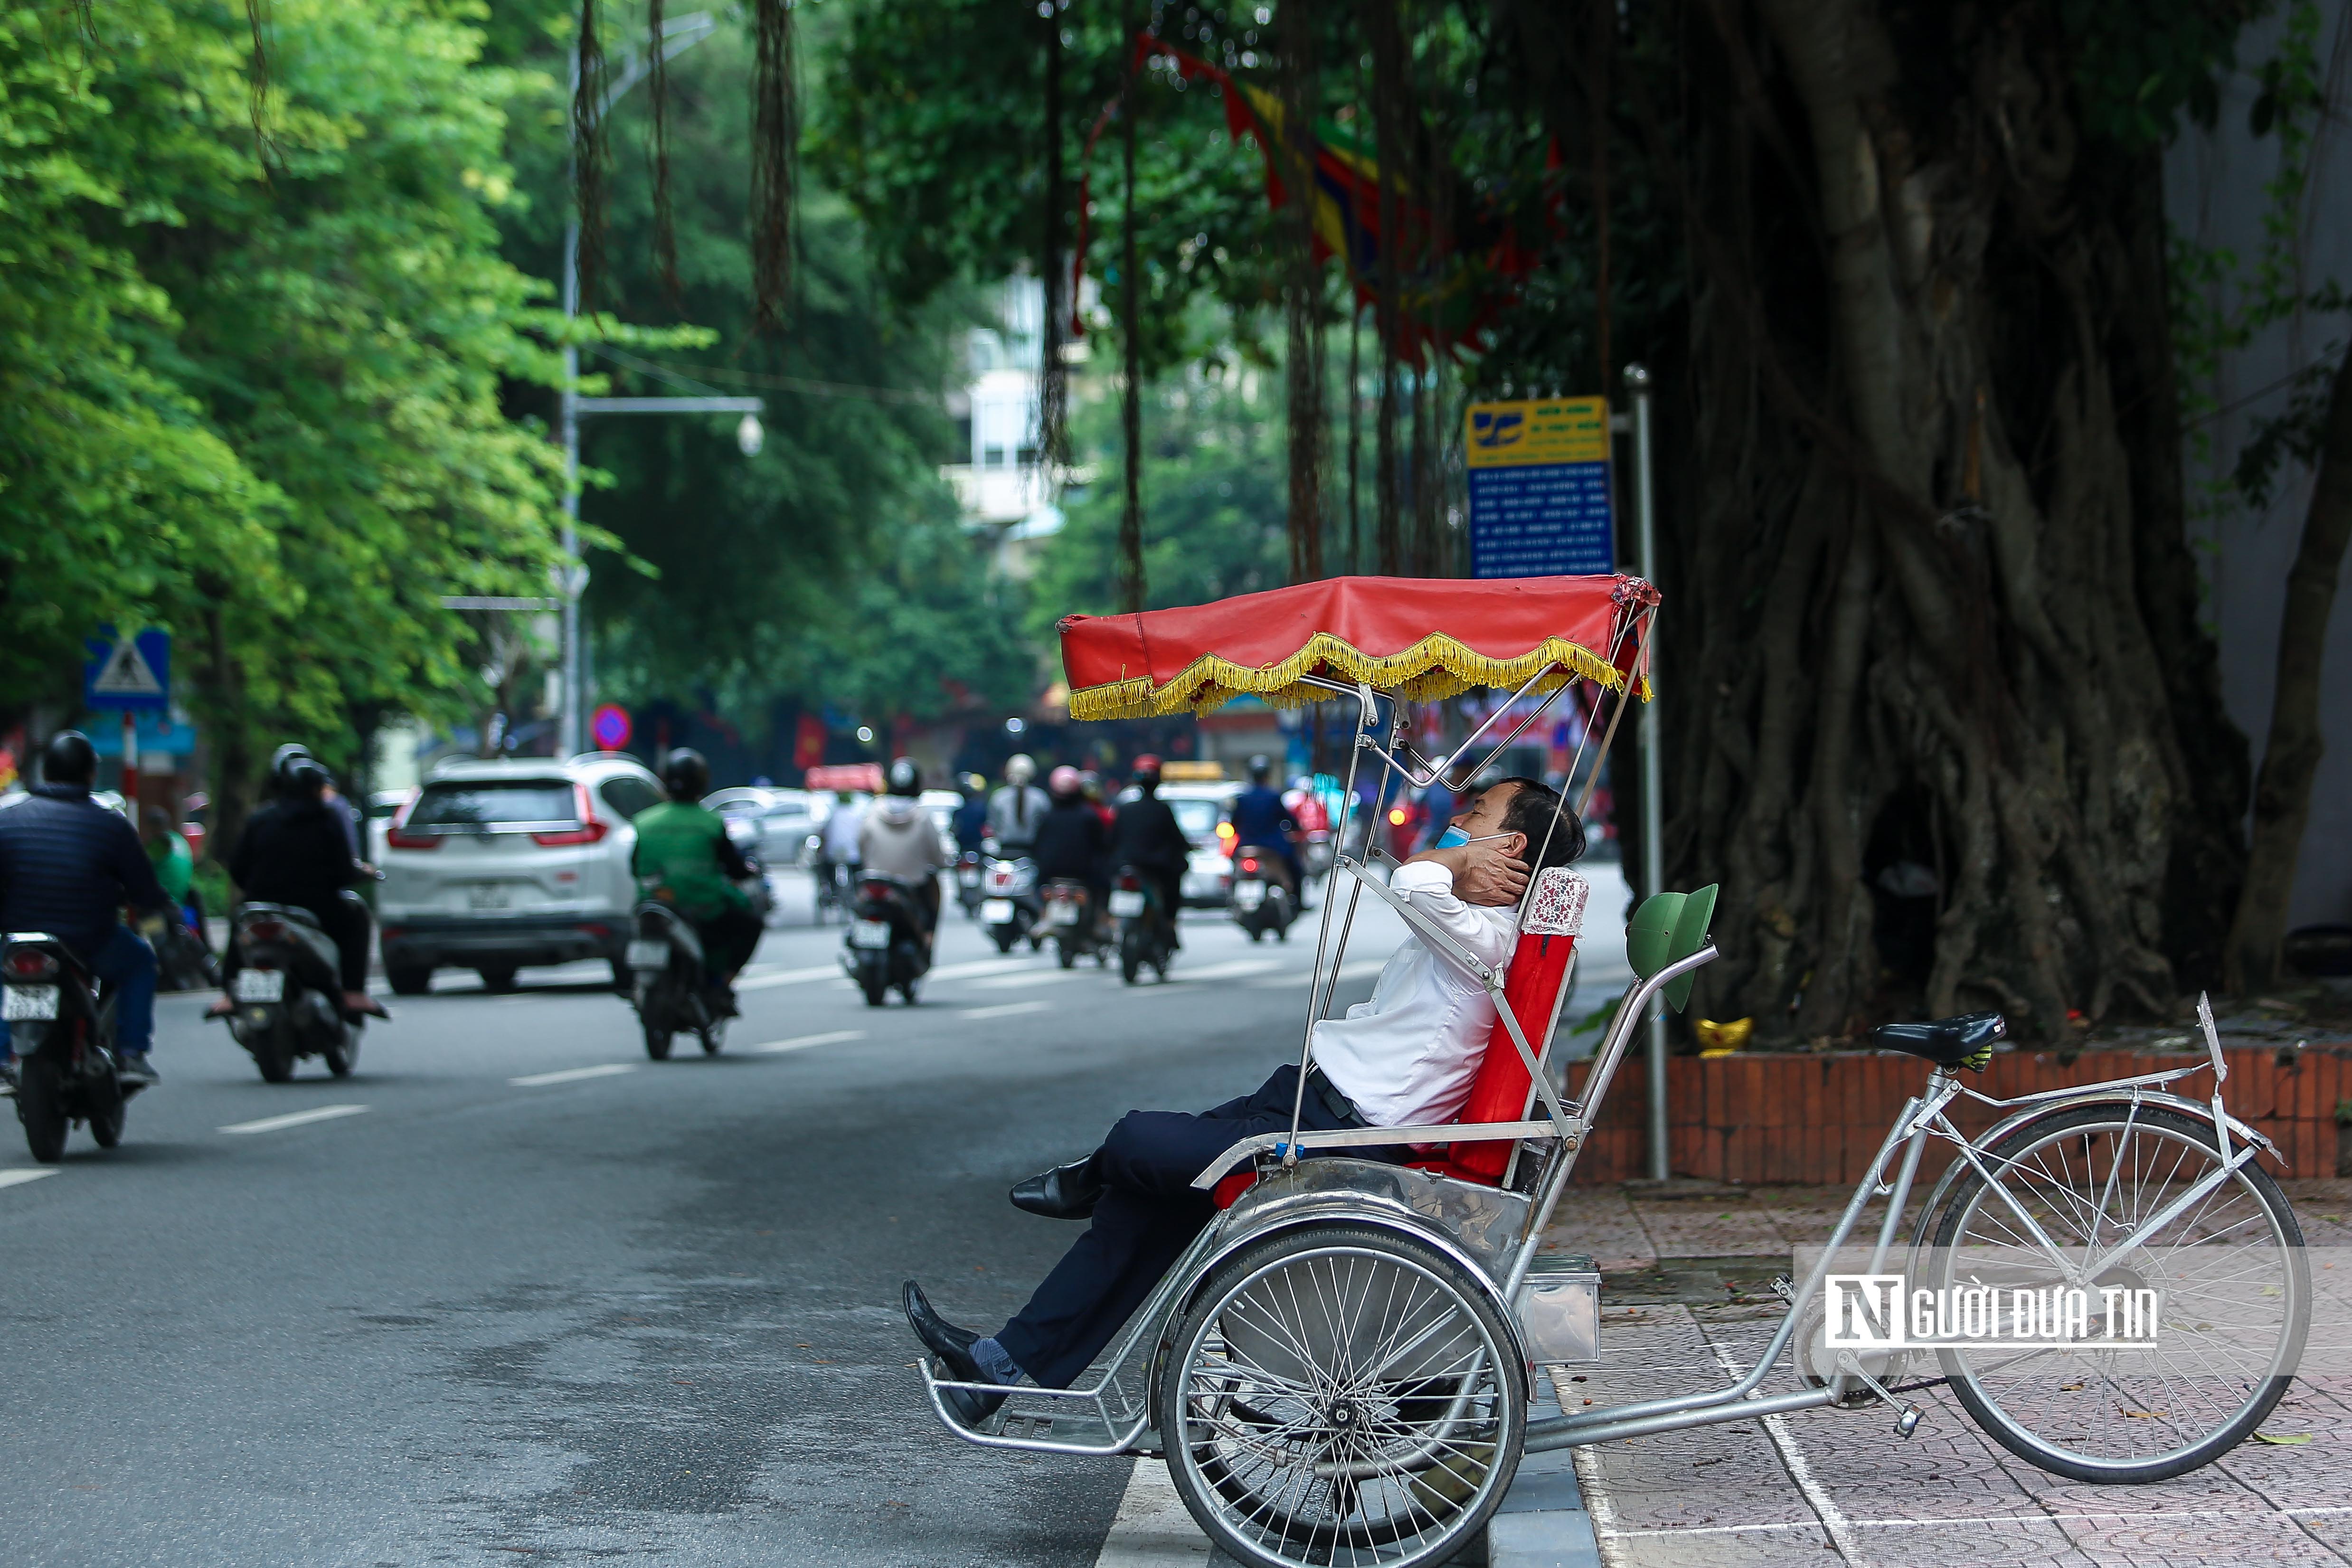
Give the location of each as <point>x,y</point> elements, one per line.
<point>1436,667</point>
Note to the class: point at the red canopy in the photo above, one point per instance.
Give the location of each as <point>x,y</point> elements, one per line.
<point>1417,637</point>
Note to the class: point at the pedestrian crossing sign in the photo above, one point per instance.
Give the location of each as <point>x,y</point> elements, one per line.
<point>128,673</point>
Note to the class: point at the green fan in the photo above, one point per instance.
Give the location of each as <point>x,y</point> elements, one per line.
<point>1666,929</point>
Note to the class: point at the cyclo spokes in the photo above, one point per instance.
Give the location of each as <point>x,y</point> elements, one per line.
<point>2214,1302</point>
<point>1343,1400</point>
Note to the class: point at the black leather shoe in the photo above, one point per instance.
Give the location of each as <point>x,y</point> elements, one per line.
<point>951,1346</point>
<point>1065,1191</point>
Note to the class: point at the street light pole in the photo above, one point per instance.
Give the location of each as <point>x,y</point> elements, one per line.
<point>678,35</point>
<point>1654,845</point>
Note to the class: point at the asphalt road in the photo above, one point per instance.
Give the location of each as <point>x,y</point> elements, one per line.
<point>514,1290</point>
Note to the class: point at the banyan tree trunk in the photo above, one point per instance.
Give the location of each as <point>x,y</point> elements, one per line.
<point>1947,731</point>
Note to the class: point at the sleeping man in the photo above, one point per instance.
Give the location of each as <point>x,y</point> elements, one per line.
<point>1405,1058</point>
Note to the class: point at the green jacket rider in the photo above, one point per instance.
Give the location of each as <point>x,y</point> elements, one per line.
<point>684,860</point>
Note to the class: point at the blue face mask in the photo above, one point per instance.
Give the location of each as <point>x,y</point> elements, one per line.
<point>1454,839</point>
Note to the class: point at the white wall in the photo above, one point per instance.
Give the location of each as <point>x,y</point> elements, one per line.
<point>2214,195</point>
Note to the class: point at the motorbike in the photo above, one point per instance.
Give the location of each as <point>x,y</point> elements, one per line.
<point>1069,918</point>
<point>884,950</point>
<point>1011,904</point>
<point>831,878</point>
<point>1144,939</point>
<point>183,963</point>
<point>1262,899</point>
<point>61,1027</point>
<point>968,876</point>
<point>287,992</point>
<point>671,993</point>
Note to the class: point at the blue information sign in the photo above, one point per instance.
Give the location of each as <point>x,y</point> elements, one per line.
<point>1539,493</point>
<point>128,674</point>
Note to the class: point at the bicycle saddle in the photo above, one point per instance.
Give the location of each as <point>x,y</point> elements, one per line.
<point>1965,1041</point>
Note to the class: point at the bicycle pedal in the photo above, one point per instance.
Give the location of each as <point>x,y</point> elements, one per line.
<point>1784,1287</point>
<point>1909,1422</point>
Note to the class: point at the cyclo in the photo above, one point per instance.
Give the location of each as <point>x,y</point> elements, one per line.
<point>1338,1370</point>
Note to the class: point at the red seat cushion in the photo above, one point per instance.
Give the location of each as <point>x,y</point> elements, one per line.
<point>1533,989</point>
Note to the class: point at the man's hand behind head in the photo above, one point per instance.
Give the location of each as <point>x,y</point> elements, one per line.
<point>1488,873</point>
<point>1491,872</point>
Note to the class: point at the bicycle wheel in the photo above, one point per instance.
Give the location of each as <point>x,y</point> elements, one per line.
<point>2232,1293</point>
<point>1341,1395</point>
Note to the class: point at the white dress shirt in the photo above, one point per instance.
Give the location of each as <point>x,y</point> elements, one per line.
<point>1407,1057</point>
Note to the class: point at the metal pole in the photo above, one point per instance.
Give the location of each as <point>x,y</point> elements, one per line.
<point>1654,814</point>
<point>567,719</point>
<point>131,765</point>
<point>567,729</point>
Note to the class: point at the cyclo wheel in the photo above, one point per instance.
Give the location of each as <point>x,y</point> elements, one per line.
<point>2232,1293</point>
<point>1341,1394</point>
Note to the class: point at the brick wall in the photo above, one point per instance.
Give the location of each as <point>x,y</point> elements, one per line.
<point>1773,1119</point>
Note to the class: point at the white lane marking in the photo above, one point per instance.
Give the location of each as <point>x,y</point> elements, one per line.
<point>831,1038</point>
<point>1152,1529</point>
<point>1231,969</point>
<point>1030,977</point>
<point>965,971</point>
<point>18,1178</point>
<point>571,1075</point>
<point>1006,1010</point>
<point>296,1118</point>
<point>790,977</point>
<point>1801,1470</point>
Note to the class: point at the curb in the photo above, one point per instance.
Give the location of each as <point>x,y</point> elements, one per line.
<point>1542,1522</point>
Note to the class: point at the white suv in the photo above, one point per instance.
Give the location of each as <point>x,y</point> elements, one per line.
<point>491,866</point>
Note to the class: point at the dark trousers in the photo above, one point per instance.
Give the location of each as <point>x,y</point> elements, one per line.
<point>729,939</point>
<point>1148,1215</point>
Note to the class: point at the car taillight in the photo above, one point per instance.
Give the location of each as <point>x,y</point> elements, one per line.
<point>1131,884</point>
<point>589,831</point>
<point>1249,867</point>
<point>29,963</point>
<point>266,931</point>
<point>401,838</point>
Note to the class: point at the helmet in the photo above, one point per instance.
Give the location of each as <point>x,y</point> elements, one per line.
<point>1147,771</point>
<point>69,759</point>
<point>905,777</point>
<point>1020,769</point>
<point>1261,768</point>
<point>1064,783</point>
<point>685,775</point>
<point>302,777</point>
<point>282,762</point>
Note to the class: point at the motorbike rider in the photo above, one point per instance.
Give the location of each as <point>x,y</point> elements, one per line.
<point>684,860</point>
<point>970,823</point>
<point>1259,818</point>
<point>899,839</point>
<point>1146,835</point>
<point>68,865</point>
<point>1014,811</point>
<point>1071,839</point>
<point>297,850</point>
<point>837,845</point>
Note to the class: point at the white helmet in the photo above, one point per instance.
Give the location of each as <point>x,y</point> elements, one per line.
<point>1019,770</point>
